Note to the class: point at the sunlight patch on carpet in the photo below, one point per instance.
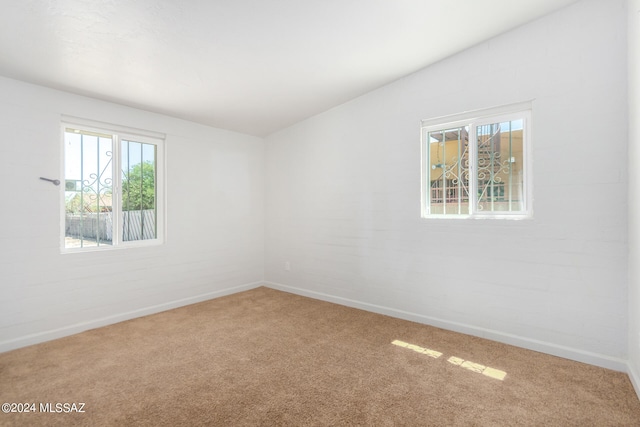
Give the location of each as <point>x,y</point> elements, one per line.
<point>465,364</point>
<point>477,367</point>
<point>418,349</point>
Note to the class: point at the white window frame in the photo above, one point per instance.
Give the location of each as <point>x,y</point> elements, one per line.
<point>473,119</point>
<point>118,133</point>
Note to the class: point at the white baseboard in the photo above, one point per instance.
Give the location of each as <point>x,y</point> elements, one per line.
<point>531,344</point>
<point>528,343</point>
<point>634,376</point>
<point>120,317</point>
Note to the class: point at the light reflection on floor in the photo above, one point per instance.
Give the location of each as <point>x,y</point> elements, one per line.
<point>418,349</point>
<point>476,367</point>
<point>465,364</point>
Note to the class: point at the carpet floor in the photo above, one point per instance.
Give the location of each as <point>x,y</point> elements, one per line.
<point>270,358</point>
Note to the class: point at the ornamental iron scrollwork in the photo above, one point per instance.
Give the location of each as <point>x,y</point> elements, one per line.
<point>97,188</point>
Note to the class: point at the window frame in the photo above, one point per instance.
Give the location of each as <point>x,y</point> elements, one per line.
<point>118,133</point>
<point>474,119</point>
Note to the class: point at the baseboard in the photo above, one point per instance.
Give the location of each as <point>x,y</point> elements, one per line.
<point>52,334</point>
<point>531,344</point>
<point>528,343</point>
<point>634,376</point>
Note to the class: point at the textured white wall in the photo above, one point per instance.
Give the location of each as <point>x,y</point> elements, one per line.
<point>343,196</point>
<point>215,237</point>
<point>634,193</point>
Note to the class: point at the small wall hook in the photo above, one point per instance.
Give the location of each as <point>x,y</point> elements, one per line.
<point>54,181</point>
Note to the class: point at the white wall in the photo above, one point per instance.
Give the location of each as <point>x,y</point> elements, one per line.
<point>634,193</point>
<point>343,196</point>
<point>215,238</point>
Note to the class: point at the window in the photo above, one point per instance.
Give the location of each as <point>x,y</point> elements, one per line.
<point>112,188</point>
<point>477,164</point>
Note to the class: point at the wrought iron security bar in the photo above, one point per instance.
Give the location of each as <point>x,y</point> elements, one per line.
<point>491,169</point>
<point>102,207</point>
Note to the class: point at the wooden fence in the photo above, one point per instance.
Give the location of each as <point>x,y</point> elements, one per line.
<point>136,225</point>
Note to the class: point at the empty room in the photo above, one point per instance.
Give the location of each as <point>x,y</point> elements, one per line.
<point>280,212</point>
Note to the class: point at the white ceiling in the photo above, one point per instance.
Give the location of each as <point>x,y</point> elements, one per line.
<point>252,66</point>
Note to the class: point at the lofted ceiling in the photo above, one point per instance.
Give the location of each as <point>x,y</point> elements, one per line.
<point>252,66</point>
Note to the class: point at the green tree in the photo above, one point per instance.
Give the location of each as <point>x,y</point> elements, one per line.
<point>139,187</point>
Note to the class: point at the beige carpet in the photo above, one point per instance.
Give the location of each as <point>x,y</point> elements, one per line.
<point>265,357</point>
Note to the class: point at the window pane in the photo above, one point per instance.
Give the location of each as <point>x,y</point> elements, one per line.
<point>138,191</point>
<point>500,166</point>
<point>88,189</point>
<point>449,171</point>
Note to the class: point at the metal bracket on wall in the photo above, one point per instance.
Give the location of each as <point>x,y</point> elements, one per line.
<point>53,181</point>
